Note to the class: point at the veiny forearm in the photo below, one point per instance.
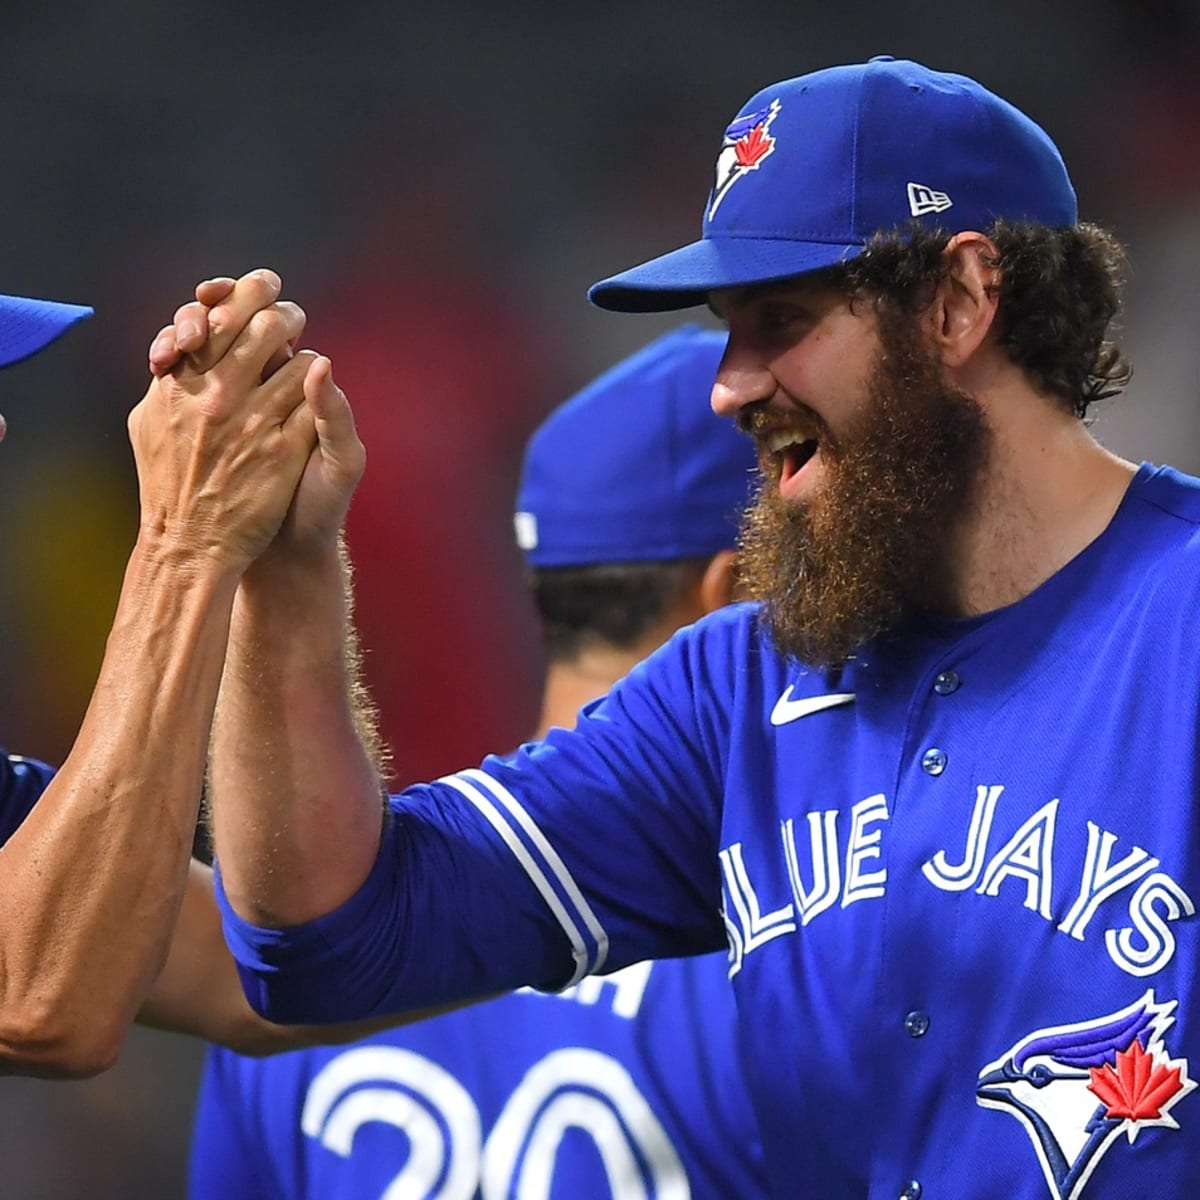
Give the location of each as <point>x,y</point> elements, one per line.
<point>296,799</point>
<point>90,885</point>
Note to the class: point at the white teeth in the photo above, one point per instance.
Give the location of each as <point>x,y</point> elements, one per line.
<point>784,438</point>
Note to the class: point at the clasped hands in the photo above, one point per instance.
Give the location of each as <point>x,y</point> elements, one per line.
<point>244,447</point>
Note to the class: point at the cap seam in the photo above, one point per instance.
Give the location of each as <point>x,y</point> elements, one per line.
<point>822,239</point>
<point>854,164</point>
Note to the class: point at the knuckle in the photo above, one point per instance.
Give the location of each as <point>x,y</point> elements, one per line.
<point>257,288</point>
<point>293,313</point>
<point>268,324</point>
<point>218,324</point>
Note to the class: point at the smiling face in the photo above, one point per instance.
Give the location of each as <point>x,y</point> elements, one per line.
<point>795,375</point>
<point>870,462</point>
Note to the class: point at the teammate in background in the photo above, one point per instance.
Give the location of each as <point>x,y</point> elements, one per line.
<point>95,857</point>
<point>937,791</point>
<point>627,1086</point>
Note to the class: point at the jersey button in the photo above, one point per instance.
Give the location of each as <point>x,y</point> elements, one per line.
<point>933,761</point>
<point>917,1023</point>
<point>946,683</point>
<point>912,1190</point>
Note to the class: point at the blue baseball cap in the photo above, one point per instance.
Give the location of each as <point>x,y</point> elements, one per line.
<point>27,326</point>
<point>813,167</point>
<point>637,467</point>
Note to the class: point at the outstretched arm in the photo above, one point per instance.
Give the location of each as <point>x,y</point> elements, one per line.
<point>294,782</point>
<point>199,992</point>
<point>90,884</point>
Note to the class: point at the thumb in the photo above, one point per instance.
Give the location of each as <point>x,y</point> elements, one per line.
<point>331,412</point>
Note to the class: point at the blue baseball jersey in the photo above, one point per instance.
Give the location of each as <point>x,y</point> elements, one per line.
<point>957,879</point>
<point>22,781</point>
<point>627,1085</point>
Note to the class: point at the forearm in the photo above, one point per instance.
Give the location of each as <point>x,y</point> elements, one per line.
<point>296,794</point>
<point>198,991</point>
<point>446,915</point>
<point>90,885</point>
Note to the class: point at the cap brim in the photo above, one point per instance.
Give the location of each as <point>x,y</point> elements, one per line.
<point>27,326</point>
<point>684,277</point>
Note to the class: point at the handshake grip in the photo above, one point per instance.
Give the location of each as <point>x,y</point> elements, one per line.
<point>238,431</point>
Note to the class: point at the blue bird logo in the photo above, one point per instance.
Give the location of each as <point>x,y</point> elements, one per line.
<point>1076,1087</point>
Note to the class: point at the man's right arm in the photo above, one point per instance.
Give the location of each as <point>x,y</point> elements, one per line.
<point>331,906</point>
<point>90,883</point>
<point>581,854</point>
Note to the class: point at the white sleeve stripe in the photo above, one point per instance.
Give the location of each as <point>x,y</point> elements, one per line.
<point>535,873</point>
<point>550,855</point>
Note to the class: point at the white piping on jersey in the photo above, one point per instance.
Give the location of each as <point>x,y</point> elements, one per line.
<point>521,854</point>
<point>549,857</point>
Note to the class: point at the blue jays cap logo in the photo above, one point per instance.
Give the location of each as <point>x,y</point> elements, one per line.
<point>747,143</point>
<point>1076,1087</point>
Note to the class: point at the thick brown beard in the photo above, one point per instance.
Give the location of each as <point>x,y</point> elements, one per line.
<point>874,543</point>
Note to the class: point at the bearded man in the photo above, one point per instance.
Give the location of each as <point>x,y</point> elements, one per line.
<point>936,792</point>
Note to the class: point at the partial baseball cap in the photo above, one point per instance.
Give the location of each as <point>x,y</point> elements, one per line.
<point>637,467</point>
<point>27,326</point>
<point>813,167</point>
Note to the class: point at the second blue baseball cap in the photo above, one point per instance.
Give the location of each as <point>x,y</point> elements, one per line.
<point>637,467</point>
<point>27,326</point>
<point>813,167</point>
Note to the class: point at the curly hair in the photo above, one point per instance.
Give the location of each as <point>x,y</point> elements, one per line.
<point>1059,291</point>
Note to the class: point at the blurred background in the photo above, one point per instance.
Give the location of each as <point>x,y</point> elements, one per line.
<point>437,185</point>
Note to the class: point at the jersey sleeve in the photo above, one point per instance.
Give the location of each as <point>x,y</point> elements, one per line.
<point>22,781</point>
<point>224,1163</point>
<point>583,853</point>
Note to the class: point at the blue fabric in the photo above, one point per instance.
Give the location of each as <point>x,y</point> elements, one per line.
<point>22,781</point>
<point>27,326</point>
<point>929,951</point>
<point>812,167</point>
<point>636,467</point>
<point>643,1063</point>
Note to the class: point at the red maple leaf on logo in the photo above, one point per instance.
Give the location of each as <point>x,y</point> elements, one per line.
<point>1137,1088</point>
<point>754,147</point>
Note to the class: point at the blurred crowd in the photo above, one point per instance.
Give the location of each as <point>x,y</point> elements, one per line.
<point>437,185</point>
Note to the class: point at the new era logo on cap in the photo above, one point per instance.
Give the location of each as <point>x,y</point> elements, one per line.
<point>922,199</point>
<point>812,168</point>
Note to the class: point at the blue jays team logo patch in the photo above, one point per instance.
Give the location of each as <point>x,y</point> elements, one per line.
<point>747,144</point>
<point>1075,1088</point>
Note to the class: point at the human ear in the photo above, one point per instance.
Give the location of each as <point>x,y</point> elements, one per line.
<point>964,310</point>
<point>719,583</point>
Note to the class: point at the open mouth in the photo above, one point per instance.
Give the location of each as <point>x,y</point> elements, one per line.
<point>792,452</point>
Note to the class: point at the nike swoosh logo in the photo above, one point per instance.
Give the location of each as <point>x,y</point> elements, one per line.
<point>786,709</point>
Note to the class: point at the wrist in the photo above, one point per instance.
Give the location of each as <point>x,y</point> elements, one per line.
<point>165,561</point>
<point>290,567</point>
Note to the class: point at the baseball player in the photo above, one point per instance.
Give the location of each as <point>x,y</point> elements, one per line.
<point>936,791</point>
<point>95,856</point>
<point>627,1086</point>
<point>92,941</point>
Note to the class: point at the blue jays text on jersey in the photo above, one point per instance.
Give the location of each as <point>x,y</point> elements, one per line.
<point>627,1086</point>
<point>959,905</point>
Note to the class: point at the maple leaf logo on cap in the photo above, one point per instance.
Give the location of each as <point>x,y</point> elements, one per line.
<point>747,143</point>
